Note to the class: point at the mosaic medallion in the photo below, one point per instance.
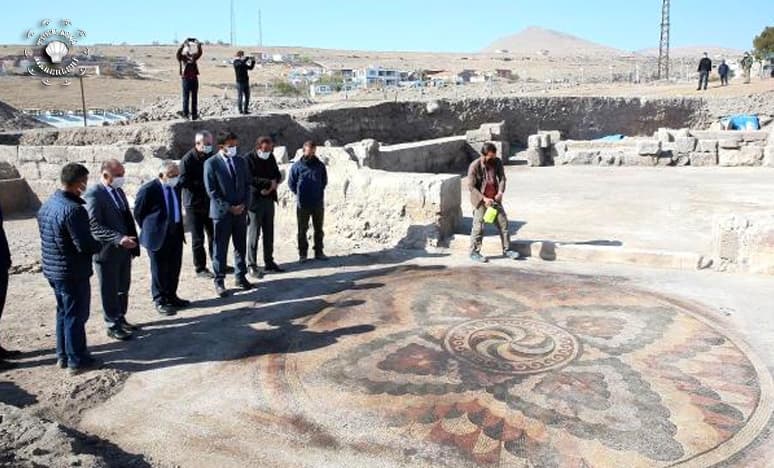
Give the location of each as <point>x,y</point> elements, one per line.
<point>511,345</point>
<point>529,370</point>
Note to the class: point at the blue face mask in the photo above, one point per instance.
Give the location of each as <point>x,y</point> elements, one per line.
<point>207,149</point>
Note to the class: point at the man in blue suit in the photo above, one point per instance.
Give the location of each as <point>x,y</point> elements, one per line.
<point>158,211</point>
<point>112,224</point>
<point>227,183</point>
<point>5,265</point>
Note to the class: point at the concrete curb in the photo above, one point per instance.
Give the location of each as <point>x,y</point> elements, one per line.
<point>575,252</point>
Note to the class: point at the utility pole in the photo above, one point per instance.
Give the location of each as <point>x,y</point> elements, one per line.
<point>663,47</point>
<point>83,101</point>
<point>232,39</point>
<point>260,29</point>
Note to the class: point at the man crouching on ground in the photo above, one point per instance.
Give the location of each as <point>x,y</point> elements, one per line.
<point>486,181</point>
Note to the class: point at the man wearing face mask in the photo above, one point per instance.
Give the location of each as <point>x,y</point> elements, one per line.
<point>67,247</point>
<point>226,179</point>
<point>113,225</point>
<point>160,215</point>
<point>264,179</point>
<point>196,201</point>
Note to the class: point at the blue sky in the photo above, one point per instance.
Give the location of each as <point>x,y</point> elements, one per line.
<point>419,25</point>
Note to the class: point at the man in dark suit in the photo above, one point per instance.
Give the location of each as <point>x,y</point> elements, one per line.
<point>112,224</point>
<point>159,213</point>
<point>226,179</point>
<point>196,201</point>
<point>5,265</point>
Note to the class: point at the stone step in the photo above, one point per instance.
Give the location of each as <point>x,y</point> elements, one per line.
<point>578,252</point>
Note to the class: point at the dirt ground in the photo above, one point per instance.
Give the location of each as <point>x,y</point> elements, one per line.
<point>294,372</point>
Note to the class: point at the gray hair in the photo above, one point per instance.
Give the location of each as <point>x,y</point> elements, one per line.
<point>166,164</point>
<point>201,135</point>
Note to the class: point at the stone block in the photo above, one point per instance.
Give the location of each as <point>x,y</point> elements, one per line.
<point>745,156</point>
<point>9,153</point>
<point>554,136</point>
<point>545,140</point>
<point>648,147</point>
<point>768,156</point>
<point>580,158</point>
<point>703,159</point>
<point>707,146</point>
<point>31,171</point>
<point>281,154</point>
<point>8,171</point>
<point>685,144</point>
<point>754,135</point>
<point>745,243</point>
<point>683,160</point>
<point>533,156</point>
<point>31,154</point>
<point>633,159</point>
<point>664,135</point>
<point>730,142</point>
<point>533,141</point>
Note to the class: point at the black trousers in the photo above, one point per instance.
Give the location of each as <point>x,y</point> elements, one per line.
<point>234,228</point>
<point>165,267</point>
<point>115,279</point>
<point>302,215</point>
<point>191,94</point>
<point>243,96</point>
<point>261,221</point>
<point>3,289</point>
<point>200,224</point>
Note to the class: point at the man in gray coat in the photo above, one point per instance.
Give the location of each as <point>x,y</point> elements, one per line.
<point>112,224</point>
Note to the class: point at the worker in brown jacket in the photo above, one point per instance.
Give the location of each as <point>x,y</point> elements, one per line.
<point>486,181</point>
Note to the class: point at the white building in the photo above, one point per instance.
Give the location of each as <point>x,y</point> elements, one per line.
<point>375,76</point>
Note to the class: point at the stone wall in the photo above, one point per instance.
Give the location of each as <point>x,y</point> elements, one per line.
<point>666,148</point>
<point>744,243</point>
<point>15,194</point>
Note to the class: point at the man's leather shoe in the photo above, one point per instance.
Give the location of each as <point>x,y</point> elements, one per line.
<point>166,310</point>
<point>118,333</point>
<point>255,273</point>
<point>243,284</point>
<point>61,363</point>
<point>302,258</point>
<point>321,256</point>
<point>9,354</point>
<point>274,268</point>
<point>180,303</point>
<point>205,273</point>
<point>128,326</point>
<point>220,290</point>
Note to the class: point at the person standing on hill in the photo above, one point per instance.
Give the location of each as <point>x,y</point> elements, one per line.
<point>747,63</point>
<point>723,71</point>
<point>242,65</point>
<point>705,67</point>
<point>188,54</point>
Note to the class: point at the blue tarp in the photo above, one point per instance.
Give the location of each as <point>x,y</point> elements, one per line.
<point>744,122</point>
<point>612,138</point>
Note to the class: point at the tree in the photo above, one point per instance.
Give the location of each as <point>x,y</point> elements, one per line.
<point>764,43</point>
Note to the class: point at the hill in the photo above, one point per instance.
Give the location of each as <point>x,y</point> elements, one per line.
<point>534,40</point>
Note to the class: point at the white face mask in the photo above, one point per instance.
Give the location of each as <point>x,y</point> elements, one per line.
<point>172,181</point>
<point>231,151</point>
<point>207,149</point>
<point>118,182</point>
<point>264,155</point>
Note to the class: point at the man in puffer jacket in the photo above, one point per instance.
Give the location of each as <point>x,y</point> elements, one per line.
<point>308,179</point>
<point>67,247</point>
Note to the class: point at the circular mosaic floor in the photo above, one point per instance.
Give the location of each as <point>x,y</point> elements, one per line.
<point>510,368</point>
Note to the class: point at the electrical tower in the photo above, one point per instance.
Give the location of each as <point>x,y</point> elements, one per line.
<point>232,38</point>
<point>663,47</point>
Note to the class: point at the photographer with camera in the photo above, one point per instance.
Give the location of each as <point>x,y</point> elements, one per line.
<point>189,52</point>
<point>242,65</point>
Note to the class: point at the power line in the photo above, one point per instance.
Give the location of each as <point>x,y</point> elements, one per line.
<point>663,48</point>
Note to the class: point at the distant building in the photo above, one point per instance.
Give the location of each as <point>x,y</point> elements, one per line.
<point>320,90</point>
<point>504,73</point>
<point>375,76</point>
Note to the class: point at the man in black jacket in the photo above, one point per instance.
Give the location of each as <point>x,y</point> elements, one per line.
<point>241,66</point>
<point>196,201</point>
<point>264,179</point>
<point>67,247</point>
<point>705,67</point>
<point>5,265</point>
<point>113,225</point>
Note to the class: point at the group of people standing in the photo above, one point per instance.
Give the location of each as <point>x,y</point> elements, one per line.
<point>705,68</point>
<point>224,197</point>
